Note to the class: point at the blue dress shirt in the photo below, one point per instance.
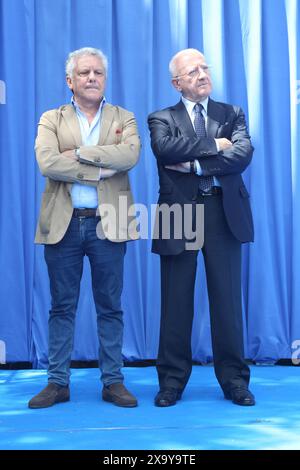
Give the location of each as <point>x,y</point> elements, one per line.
<point>84,196</point>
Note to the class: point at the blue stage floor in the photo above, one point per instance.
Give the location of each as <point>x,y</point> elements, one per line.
<point>203,419</point>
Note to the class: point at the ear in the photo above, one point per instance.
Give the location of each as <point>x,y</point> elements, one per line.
<point>175,83</point>
<point>69,83</point>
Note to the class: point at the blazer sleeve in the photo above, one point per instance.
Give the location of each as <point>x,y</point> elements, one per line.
<point>54,164</point>
<point>121,156</point>
<point>237,158</point>
<point>170,146</point>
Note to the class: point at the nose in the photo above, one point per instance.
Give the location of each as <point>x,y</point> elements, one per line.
<point>201,72</point>
<point>91,75</point>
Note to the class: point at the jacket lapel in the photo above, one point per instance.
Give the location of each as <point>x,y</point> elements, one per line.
<point>108,114</point>
<point>72,123</point>
<point>215,118</point>
<point>182,119</point>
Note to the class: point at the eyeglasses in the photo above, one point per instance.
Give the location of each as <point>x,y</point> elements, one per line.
<point>195,72</point>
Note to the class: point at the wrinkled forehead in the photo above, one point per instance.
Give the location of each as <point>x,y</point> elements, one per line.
<point>188,59</point>
<point>88,61</point>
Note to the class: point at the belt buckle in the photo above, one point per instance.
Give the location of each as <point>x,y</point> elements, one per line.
<point>206,193</point>
<point>212,191</point>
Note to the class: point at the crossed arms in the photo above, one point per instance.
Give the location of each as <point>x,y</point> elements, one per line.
<point>175,150</point>
<point>66,166</point>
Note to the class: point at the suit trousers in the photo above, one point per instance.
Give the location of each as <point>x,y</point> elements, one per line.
<point>65,265</point>
<point>222,259</point>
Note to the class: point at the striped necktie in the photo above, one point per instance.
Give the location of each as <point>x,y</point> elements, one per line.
<point>205,182</point>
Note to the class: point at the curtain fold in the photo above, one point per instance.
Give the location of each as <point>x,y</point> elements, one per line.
<point>253,48</point>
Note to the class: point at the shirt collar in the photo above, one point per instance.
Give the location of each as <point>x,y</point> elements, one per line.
<point>102,103</point>
<point>190,104</point>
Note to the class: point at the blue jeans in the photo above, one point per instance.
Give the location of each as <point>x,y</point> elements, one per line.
<point>65,264</point>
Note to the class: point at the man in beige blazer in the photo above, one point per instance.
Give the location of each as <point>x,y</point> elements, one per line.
<point>85,150</point>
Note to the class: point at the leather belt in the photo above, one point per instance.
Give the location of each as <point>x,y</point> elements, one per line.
<point>215,190</point>
<point>84,212</point>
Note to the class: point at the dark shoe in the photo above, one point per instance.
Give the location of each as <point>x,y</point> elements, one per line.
<point>240,396</point>
<point>167,397</point>
<point>119,395</point>
<point>50,395</point>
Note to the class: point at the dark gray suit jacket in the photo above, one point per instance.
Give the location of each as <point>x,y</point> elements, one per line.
<point>173,140</point>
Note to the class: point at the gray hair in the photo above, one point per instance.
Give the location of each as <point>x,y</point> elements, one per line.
<point>172,63</point>
<point>70,62</point>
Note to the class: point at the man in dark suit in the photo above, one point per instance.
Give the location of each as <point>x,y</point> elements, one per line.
<point>201,147</point>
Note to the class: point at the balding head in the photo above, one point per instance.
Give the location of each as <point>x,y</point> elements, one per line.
<point>190,75</point>
<point>181,58</point>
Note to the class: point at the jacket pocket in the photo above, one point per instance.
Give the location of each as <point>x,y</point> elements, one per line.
<point>48,201</point>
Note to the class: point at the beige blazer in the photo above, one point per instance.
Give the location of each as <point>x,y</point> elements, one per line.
<point>118,148</point>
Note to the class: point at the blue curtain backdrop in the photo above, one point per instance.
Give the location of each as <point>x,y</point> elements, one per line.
<point>253,47</point>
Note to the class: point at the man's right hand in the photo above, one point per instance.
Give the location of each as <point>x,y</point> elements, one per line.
<point>224,144</point>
